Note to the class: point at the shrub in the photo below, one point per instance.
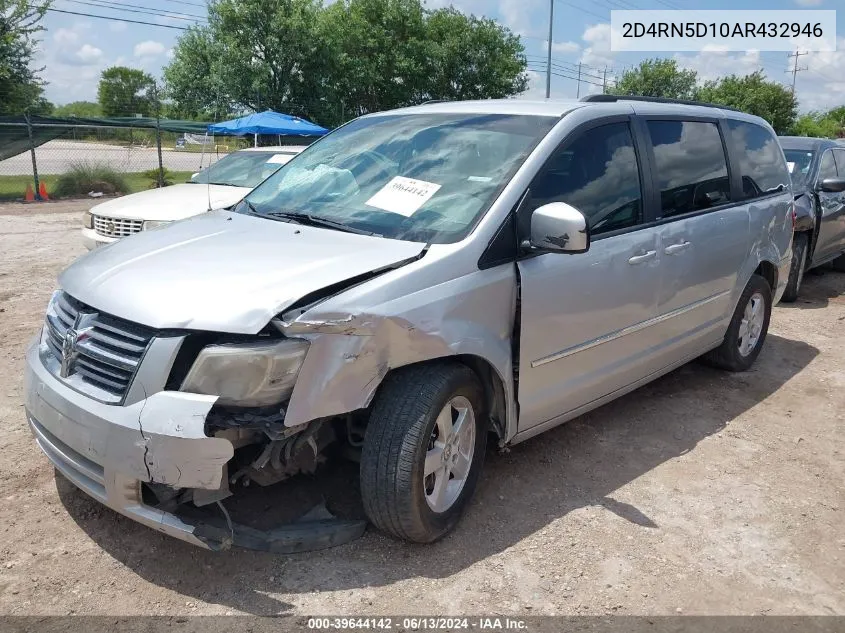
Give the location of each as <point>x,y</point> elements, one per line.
<point>83,177</point>
<point>152,176</point>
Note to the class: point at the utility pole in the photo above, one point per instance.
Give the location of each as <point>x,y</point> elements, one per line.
<point>158,136</point>
<point>549,56</point>
<point>578,93</point>
<point>604,81</point>
<point>795,70</point>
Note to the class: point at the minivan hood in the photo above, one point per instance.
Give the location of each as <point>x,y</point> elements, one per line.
<point>171,203</point>
<point>223,271</point>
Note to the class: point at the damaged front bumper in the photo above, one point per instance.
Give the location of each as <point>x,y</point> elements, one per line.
<point>109,451</point>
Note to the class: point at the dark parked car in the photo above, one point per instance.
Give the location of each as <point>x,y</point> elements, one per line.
<point>817,167</point>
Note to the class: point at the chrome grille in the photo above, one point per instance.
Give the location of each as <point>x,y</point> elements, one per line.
<point>98,350</point>
<point>116,227</point>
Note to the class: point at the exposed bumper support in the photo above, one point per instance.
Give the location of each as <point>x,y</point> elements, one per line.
<point>109,451</point>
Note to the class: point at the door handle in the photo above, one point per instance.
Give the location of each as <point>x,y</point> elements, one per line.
<point>676,248</point>
<point>639,259</point>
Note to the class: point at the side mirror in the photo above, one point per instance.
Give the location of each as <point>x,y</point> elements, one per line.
<point>832,185</point>
<point>559,228</point>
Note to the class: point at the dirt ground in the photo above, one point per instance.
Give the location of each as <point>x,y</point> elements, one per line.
<point>702,493</point>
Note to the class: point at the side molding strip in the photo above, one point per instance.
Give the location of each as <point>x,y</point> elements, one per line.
<point>606,338</point>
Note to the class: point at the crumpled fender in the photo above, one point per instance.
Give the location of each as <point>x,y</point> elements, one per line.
<point>352,349</point>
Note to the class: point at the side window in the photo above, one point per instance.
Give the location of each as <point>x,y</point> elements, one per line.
<point>597,173</point>
<point>839,156</point>
<point>692,171</point>
<point>760,158</point>
<point>827,168</point>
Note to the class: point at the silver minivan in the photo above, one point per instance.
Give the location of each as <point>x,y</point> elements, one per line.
<point>414,284</point>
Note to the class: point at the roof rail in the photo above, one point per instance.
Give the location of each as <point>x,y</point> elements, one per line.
<point>614,98</point>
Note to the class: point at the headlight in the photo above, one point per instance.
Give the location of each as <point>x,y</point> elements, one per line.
<point>247,374</point>
<point>151,224</point>
<point>88,220</point>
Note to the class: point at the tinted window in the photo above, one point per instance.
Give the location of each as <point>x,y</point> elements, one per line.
<point>692,171</point>
<point>839,155</point>
<point>827,168</point>
<point>597,173</point>
<point>760,159</point>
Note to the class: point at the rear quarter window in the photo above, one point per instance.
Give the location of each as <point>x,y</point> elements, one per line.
<point>760,158</point>
<point>692,171</point>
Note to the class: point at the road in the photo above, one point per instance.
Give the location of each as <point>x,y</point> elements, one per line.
<point>56,157</point>
<point>702,493</point>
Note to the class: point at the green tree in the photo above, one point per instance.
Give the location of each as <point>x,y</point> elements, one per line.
<point>837,115</point>
<point>85,109</point>
<point>814,124</point>
<point>195,79</point>
<point>474,58</point>
<point>377,54</point>
<point>253,55</point>
<point>755,95</point>
<point>658,78</point>
<point>331,63</point>
<point>125,92</point>
<point>20,87</point>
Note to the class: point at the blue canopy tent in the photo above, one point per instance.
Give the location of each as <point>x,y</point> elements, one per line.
<point>268,122</point>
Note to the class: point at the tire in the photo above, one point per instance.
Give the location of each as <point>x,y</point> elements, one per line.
<point>404,428</point>
<point>800,243</point>
<point>838,264</point>
<point>729,354</point>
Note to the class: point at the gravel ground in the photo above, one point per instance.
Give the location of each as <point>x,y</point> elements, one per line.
<point>702,493</point>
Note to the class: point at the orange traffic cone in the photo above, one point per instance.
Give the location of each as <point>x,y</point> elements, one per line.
<point>42,191</point>
<point>29,196</point>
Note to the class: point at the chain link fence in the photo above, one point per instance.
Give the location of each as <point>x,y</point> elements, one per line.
<point>132,158</point>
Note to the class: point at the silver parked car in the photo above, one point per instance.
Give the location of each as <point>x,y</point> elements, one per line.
<point>415,282</point>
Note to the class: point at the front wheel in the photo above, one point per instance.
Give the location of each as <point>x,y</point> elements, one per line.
<point>747,331</point>
<point>796,270</point>
<point>423,450</point>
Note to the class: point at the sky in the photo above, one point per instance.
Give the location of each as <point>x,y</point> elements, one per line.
<point>74,49</point>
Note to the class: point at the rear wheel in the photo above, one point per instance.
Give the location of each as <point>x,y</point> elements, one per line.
<point>800,243</point>
<point>747,331</point>
<point>423,450</point>
<point>838,264</point>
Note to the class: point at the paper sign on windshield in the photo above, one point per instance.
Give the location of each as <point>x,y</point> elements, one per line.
<point>280,159</point>
<point>403,195</point>
<point>790,166</point>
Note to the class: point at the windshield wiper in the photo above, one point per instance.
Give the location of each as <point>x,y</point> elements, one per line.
<point>313,220</point>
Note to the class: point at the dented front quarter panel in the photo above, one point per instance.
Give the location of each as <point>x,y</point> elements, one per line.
<point>416,313</point>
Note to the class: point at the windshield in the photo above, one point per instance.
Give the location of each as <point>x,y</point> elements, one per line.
<point>243,169</point>
<point>799,162</point>
<point>417,177</point>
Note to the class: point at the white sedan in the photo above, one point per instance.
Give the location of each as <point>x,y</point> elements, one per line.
<point>222,184</point>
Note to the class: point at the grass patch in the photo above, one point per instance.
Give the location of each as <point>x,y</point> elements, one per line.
<point>14,187</point>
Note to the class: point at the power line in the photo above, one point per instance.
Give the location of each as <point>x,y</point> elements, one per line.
<point>114,19</point>
<point>190,4</point>
<point>133,8</point>
<point>575,6</point>
<point>559,64</point>
<point>542,68</point>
